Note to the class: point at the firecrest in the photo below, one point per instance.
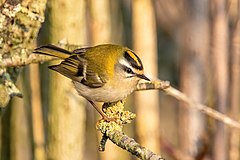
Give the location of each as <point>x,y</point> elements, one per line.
<point>104,73</point>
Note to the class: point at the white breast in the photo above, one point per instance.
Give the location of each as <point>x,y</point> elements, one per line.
<point>106,93</point>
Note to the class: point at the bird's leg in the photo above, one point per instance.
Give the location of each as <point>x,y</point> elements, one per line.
<point>104,116</point>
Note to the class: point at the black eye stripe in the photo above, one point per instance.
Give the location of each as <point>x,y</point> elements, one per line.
<point>135,61</point>
<point>127,69</point>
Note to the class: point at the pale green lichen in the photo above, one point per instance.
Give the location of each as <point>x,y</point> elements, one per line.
<point>2,20</point>
<point>114,111</point>
<point>10,10</point>
<point>3,96</point>
<point>12,89</point>
<point>7,89</point>
<point>31,15</point>
<point>19,26</point>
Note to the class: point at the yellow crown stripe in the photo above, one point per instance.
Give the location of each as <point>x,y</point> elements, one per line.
<point>131,54</point>
<point>138,71</point>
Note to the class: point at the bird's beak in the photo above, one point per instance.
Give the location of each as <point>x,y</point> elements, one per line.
<point>142,76</point>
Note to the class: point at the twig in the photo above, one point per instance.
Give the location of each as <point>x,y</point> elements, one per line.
<point>113,130</point>
<point>132,146</point>
<point>165,87</point>
<point>17,61</point>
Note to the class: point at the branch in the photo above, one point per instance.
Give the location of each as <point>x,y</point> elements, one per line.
<point>17,61</point>
<point>165,87</point>
<point>19,26</point>
<point>113,130</point>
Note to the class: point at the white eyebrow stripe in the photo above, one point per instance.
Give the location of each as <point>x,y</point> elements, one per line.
<point>125,63</point>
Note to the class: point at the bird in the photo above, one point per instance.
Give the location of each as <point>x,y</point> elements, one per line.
<point>103,73</point>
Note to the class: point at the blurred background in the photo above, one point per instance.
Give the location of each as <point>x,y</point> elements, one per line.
<point>194,44</point>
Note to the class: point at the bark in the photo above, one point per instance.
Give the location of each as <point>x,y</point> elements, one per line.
<point>20,22</point>
<point>169,14</point>
<point>194,46</point>
<point>20,126</point>
<point>100,21</point>
<point>101,32</point>
<point>66,116</point>
<point>37,116</point>
<point>234,83</point>
<point>113,131</point>
<point>19,25</point>
<point>221,81</point>
<point>5,134</point>
<point>145,45</point>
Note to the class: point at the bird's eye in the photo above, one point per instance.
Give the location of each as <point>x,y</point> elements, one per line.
<point>128,70</point>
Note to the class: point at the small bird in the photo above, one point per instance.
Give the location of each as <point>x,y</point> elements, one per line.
<point>104,73</point>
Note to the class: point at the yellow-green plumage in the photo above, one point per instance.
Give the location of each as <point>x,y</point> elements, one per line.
<point>107,57</point>
<point>94,64</point>
<point>104,73</point>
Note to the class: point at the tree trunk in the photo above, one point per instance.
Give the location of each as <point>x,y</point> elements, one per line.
<point>66,125</point>
<point>37,116</point>
<point>20,23</point>
<point>5,134</point>
<point>221,80</point>
<point>21,137</point>
<point>101,32</point>
<point>194,46</point>
<point>147,102</point>
<point>100,21</point>
<point>234,86</point>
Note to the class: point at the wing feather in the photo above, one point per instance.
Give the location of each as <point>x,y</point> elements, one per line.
<point>75,65</point>
<point>76,68</point>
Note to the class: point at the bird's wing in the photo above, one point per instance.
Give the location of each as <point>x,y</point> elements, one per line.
<point>74,65</point>
<point>76,68</point>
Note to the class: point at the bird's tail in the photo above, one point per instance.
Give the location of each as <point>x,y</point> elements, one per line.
<point>52,50</point>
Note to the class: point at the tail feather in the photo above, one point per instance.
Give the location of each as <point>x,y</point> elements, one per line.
<point>52,50</point>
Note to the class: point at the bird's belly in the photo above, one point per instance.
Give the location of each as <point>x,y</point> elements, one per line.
<point>102,94</point>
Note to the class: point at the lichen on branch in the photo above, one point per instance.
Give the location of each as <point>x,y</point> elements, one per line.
<point>20,22</point>
<point>113,130</point>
